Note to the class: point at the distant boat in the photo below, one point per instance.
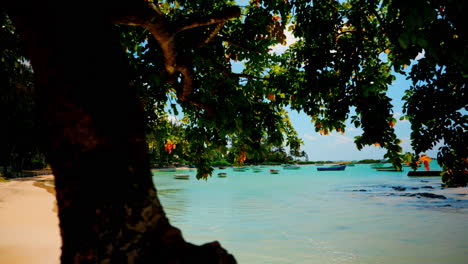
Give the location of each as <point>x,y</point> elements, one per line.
<point>222,175</point>
<point>172,169</point>
<point>351,164</point>
<point>375,165</point>
<point>181,176</point>
<point>424,173</point>
<point>240,168</point>
<point>383,167</point>
<point>273,171</point>
<point>257,169</point>
<point>388,168</point>
<point>333,168</point>
<point>291,167</point>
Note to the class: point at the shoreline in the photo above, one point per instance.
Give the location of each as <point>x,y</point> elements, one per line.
<point>29,222</point>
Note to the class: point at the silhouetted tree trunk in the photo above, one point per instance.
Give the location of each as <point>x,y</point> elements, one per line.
<point>93,130</point>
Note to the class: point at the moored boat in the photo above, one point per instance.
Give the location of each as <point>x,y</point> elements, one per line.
<point>222,175</point>
<point>333,168</point>
<point>170,169</point>
<point>273,171</point>
<point>387,168</point>
<point>257,169</point>
<point>240,168</point>
<point>291,167</point>
<point>181,176</point>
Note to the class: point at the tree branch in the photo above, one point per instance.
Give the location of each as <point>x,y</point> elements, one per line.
<point>210,36</point>
<point>153,19</point>
<point>218,17</point>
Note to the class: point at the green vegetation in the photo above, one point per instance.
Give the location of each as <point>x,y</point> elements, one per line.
<point>345,56</point>
<point>109,76</point>
<point>18,127</point>
<point>3,179</point>
<point>369,161</point>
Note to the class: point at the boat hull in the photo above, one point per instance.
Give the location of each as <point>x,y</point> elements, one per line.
<point>334,168</point>
<point>181,176</point>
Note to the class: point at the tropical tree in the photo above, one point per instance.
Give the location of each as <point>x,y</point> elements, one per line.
<point>19,143</point>
<point>98,83</point>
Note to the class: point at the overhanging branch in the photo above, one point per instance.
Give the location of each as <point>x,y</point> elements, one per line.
<point>215,18</point>
<point>154,20</point>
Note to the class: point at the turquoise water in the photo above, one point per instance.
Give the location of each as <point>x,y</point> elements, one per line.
<point>305,216</point>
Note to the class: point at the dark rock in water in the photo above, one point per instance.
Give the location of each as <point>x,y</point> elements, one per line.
<point>361,190</point>
<point>398,188</point>
<point>414,188</point>
<point>428,195</point>
<point>423,181</point>
<point>462,194</point>
<point>447,205</point>
<point>427,187</point>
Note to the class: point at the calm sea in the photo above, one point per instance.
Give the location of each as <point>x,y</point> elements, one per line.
<point>305,216</point>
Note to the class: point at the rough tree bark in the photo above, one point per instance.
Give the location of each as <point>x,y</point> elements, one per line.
<point>93,130</point>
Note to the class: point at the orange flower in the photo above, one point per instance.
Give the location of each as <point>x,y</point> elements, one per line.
<point>425,159</point>
<point>169,146</point>
<point>271,97</point>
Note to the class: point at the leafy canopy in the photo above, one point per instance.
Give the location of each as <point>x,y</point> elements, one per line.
<point>346,56</point>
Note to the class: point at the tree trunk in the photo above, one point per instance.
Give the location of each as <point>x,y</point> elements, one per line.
<point>93,130</point>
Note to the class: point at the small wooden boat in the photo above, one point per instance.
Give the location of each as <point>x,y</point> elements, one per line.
<point>240,169</point>
<point>333,168</point>
<point>257,169</point>
<point>181,176</point>
<point>273,171</point>
<point>383,167</point>
<point>387,168</point>
<point>424,173</point>
<point>222,175</point>
<point>375,165</point>
<point>291,167</point>
<point>171,169</point>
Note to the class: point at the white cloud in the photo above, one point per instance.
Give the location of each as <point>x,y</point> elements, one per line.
<point>290,39</point>
<point>420,55</point>
<point>354,129</point>
<point>309,137</point>
<point>173,119</point>
<point>340,139</point>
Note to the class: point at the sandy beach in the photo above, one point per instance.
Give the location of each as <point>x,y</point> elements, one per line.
<point>29,231</point>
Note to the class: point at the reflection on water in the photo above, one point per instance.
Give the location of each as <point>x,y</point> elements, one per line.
<point>304,216</point>
<point>177,207</point>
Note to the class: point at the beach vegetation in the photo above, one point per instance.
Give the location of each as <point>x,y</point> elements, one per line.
<point>106,74</point>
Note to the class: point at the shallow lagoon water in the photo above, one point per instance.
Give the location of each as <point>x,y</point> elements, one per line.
<point>304,216</point>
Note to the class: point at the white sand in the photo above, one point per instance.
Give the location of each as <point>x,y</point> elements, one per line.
<point>29,231</point>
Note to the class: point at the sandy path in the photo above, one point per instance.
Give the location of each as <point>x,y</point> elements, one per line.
<point>29,230</point>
